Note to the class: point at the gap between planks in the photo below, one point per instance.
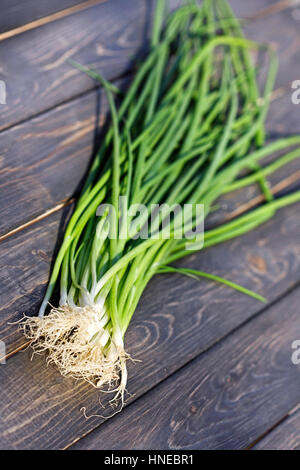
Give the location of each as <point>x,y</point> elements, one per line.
<point>50,18</point>
<point>58,207</point>
<point>96,87</point>
<point>279,6</point>
<point>262,436</point>
<point>290,414</point>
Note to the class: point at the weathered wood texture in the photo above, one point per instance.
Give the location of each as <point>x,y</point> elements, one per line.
<point>15,13</point>
<point>225,399</point>
<point>176,320</point>
<point>44,159</point>
<point>286,436</point>
<point>18,13</point>
<point>106,37</point>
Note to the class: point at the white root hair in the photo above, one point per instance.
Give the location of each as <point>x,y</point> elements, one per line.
<point>79,342</point>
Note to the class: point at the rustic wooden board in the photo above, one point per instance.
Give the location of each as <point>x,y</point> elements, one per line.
<point>45,159</point>
<point>106,37</point>
<point>16,13</point>
<point>160,336</point>
<point>286,436</point>
<point>225,399</point>
<point>19,14</point>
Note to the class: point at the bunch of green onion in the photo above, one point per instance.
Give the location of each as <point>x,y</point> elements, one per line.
<point>190,124</point>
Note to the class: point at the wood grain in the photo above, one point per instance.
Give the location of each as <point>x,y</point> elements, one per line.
<point>224,399</point>
<point>107,37</point>
<point>33,14</point>
<point>45,159</point>
<point>286,436</point>
<point>176,320</point>
<point>18,13</point>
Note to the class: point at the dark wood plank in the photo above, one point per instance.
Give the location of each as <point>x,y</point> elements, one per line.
<point>286,436</point>
<point>45,159</point>
<point>225,399</point>
<point>42,409</point>
<point>283,111</point>
<point>105,37</point>
<point>257,8</point>
<point>18,13</point>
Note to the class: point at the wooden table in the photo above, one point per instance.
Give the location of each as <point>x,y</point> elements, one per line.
<point>216,369</point>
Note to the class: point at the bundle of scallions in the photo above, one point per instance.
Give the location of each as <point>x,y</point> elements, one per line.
<point>190,124</point>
